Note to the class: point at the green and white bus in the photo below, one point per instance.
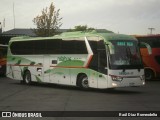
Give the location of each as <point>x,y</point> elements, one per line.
<point>83,59</point>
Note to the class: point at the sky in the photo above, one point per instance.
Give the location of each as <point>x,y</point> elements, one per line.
<point>119,16</point>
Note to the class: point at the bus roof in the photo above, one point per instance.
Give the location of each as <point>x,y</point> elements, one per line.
<point>106,36</point>
<point>151,35</point>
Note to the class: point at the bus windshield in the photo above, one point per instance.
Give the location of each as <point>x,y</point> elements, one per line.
<point>126,56</point>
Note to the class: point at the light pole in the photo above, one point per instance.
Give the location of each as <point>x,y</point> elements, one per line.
<point>151,29</point>
<point>0,28</point>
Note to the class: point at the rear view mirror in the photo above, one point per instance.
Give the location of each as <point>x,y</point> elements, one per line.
<point>111,48</point>
<point>148,47</point>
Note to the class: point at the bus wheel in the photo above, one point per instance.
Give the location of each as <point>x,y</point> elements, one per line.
<point>83,82</point>
<point>149,75</point>
<point>27,78</point>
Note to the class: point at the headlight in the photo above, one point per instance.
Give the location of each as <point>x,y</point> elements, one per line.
<point>114,85</point>
<point>116,78</point>
<point>143,83</point>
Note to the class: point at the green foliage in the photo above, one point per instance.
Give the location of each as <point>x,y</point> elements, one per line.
<point>47,22</point>
<point>81,28</point>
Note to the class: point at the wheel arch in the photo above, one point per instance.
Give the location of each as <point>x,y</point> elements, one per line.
<point>78,76</point>
<point>27,80</point>
<point>24,72</point>
<point>150,69</point>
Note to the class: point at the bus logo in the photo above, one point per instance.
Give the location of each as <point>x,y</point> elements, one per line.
<point>6,114</point>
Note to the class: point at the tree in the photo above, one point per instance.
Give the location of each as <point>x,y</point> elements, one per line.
<point>81,28</point>
<point>48,22</point>
<point>86,28</point>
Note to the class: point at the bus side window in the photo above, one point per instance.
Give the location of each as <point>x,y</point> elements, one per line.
<point>102,57</point>
<point>94,63</point>
<point>53,46</point>
<point>72,46</point>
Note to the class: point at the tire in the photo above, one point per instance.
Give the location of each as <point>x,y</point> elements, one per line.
<point>149,75</point>
<point>83,82</point>
<point>27,78</point>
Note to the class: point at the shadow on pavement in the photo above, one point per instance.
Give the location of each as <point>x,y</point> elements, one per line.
<point>71,88</point>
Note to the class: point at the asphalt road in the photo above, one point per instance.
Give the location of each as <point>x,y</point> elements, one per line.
<point>48,97</point>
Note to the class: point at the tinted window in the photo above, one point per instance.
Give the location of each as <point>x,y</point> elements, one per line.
<point>22,48</point>
<point>53,46</point>
<point>157,59</point>
<point>80,47</point>
<point>49,47</point>
<point>68,47</point>
<point>73,47</point>
<point>97,45</point>
<point>94,46</point>
<point>39,47</point>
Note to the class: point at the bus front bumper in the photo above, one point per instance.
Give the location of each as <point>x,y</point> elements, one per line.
<point>128,82</point>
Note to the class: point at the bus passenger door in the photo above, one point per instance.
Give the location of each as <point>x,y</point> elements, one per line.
<point>53,78</point>
<point>102,69</point>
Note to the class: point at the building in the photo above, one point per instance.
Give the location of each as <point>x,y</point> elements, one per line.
<point>6,36</point>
